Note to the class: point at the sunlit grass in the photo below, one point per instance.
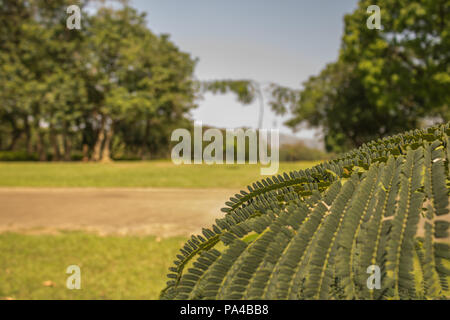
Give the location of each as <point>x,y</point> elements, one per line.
<point>112,267</point>
<point>134,174</point>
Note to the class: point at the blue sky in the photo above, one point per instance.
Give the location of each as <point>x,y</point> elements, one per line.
<point>283,41</point>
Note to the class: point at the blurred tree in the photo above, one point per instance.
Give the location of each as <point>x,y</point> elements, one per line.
<point>385,81</point>
<point>88,89</point>
<point>38,58</point>
<point>136,76</point>
<point>248,91</point>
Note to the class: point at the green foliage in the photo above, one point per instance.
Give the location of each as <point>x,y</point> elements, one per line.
<point>300,152</point>
<point>243,89</point>
<point>111,83</point>
<point>141,174</point>
<point>384,81</point>
<point>112,267</point>
<point>17,156</point>
<point>312,234</point>
<point>248,91</point>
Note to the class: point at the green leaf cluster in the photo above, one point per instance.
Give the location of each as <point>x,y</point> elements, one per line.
<point>111,84</point>
<point>384,81</point>
<point>312,234</point>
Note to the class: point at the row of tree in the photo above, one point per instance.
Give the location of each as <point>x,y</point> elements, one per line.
<point>384,81</point>
<point>111,83</point>
<point>114,85</point>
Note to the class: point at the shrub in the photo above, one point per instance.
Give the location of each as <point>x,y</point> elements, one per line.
<point>313,234</point>
<point>17,156</point>
<point>300,152</point>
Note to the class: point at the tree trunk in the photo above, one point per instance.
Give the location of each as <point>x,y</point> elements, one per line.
<point>96,155</point>
<point>54,144</point>
<point>28,135</point>
<point>67,143</point>
<point>106,154</point>
<point>15,137</point>
<point>16,133</point>
<point>40,145</point>
<point>67,147</point>
<point>40,141</point>
<point>85,152</point>
<point>145,152</point>
<point>261,106</point>
<point>85,145</point>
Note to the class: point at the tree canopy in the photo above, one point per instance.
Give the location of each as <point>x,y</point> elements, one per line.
<point>384,81</point>
<point>111,83</point>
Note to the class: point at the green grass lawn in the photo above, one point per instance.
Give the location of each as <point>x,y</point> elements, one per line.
<point>112,267</point>
<point>134,174</point>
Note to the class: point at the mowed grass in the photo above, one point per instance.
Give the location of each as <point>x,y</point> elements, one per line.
<point>112,267</point>
<point>134,174</point>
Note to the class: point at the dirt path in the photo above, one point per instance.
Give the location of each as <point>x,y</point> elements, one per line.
<point>157,211</point>
<point>161,212</point>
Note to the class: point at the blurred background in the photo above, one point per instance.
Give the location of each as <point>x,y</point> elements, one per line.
<point>87,112</point>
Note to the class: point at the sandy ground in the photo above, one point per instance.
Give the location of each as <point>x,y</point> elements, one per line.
<point>161,212</point>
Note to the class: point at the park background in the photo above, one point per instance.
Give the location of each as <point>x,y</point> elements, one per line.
<point>86,117</point>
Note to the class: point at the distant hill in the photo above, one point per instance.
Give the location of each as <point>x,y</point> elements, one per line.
<point>286,139</point>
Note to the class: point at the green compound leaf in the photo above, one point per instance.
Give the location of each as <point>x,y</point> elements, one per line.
<point>313,234</point>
